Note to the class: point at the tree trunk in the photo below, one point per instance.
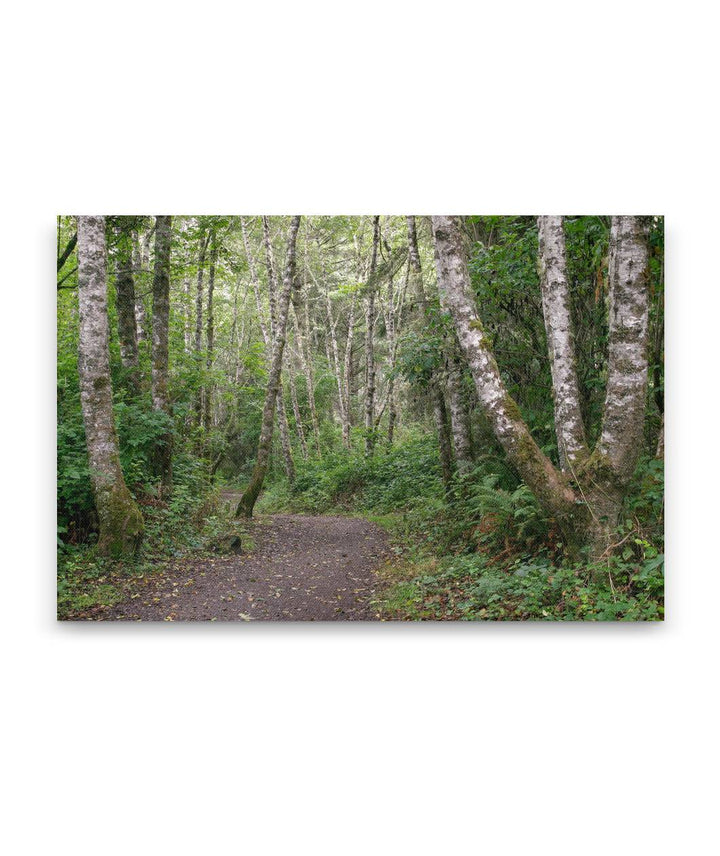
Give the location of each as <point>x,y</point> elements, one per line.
<point>125,299</point>
<point>297,415</point>
<point>548,485</point>
<point>610,468</point>
<point>370,346</point>
<point>269,339</point>
<point>459,420</point>
<point>283,425</point>
<point>305,352</point>
<point>569,429</point>
<point>188,315</point>
<point>249,497</point>
<point>140,265</point>
<point>589,516</point>
<point>121,523</point>
<point>161,324</point>
<point>284,431</point>
<point>210,335</point>
<point>435,393</point>
<point>199,295</point>
<point>347,374</point>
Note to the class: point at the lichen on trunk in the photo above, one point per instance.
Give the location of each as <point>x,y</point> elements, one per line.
<point>121,523</point>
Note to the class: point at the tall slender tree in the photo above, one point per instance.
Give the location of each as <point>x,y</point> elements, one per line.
<point>125,304</point>
<point>210,333</point>
<point>247,501</point>
<point>552,263</point>
<point>160,355</point>
<point>370,343</point>
<point>120,520</point>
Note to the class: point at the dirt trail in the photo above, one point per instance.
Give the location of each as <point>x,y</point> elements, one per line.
<point>301,569</point>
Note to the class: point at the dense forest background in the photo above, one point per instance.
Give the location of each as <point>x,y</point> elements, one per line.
<point>376,407</point>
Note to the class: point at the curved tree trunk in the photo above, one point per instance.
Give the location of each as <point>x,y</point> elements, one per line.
<point>121,523</point>
<point>590,515</point>
<point>547,484</point>
<point>161,324</point>
<point>247,501</point>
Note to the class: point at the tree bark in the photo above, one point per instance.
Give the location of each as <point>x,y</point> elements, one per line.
<point>459,420</point>
<point>590,515</point>
<point>125,300</point>
<point>297,415</point>
<point>199,297</point>
<point>141,256</point>
<point>283,424</point>
<point>210,335</point>
<point>121,523</point>
<point>611,466</point>
<point>370,345</point>
<point>547,484</point>
<point>269,339</point>
<point>569,429</point>
<point>249,497</point>
<point>160,327</point>
<point>347,373</point>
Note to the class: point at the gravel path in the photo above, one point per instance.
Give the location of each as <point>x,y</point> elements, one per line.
<point>301,569</point>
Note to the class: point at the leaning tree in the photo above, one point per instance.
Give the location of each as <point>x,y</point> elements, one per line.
<point>585,493</point>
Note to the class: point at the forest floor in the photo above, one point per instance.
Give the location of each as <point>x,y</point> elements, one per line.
<point>300,568</point>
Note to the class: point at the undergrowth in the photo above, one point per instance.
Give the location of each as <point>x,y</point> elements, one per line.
<point>487,552</point>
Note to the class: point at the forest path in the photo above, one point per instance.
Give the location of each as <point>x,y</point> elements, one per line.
<point>302,568</point>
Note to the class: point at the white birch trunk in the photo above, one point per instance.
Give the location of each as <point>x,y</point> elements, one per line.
<point>569,430</point>
<point>548,485</point>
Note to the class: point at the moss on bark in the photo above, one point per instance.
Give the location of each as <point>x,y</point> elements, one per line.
<point>121,522</point>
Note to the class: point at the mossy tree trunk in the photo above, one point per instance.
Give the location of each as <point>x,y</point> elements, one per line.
<point>609,469</point>
<point>160,332</point>
<point>121,523</point>
<point>247,501</point>
<point>586,500</point>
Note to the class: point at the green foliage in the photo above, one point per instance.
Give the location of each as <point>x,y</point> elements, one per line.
<point>472,588</point>
<point>500,560</point>
<point>394,479</point>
